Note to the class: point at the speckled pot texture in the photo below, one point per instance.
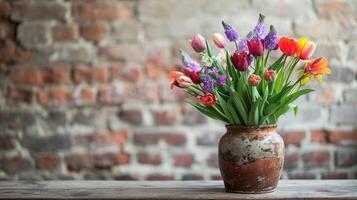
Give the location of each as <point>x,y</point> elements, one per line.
<point>251,158</point>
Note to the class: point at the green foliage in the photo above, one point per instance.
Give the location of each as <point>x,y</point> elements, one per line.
<point>240,103</point>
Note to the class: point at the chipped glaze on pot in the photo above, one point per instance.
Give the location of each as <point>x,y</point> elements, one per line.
<point>251,158</point>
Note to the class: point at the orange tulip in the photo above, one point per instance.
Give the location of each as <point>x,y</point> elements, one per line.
<point>179,80</point>
<point>315,68</point>
<point>305,48</point>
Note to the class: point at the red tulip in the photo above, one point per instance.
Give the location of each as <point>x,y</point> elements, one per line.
<point>288,46</point>
<point>207,99</point>
<point>254,80</point>
<point>240,60</point>
<point>256,47</point>
<point>194,75</point>
<point>269,75</point>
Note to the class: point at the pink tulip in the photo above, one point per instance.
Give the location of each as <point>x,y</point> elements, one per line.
<point>219,40</point>
<point>198,43</point>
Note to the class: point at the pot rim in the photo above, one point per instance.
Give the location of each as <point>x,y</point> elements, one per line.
<point>251,126</point>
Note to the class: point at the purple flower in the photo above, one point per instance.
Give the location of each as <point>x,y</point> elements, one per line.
<point>221,80</point>
<point>272,39</point>
<point>231,33</point>
<point>187,61</point>
<point>260,31</point>
<point>242,45</point>
<point>208,83</point>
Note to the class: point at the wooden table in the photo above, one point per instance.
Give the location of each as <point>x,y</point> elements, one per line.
<point>288,189</point>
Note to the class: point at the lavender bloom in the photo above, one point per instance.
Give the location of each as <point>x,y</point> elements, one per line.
<point>208,83</point>
<point>187,61</point>
<point>221,80</point>
<point>231,33</point>
<point>242,45</point>
<point>260,31</point>
<point>272,39</point>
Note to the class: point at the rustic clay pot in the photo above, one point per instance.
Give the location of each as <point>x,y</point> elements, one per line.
<point>251,158</point>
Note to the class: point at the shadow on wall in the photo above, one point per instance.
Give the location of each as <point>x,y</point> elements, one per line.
<point>85,93</point>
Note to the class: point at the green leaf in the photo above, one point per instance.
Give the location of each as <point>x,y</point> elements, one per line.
<point>279,80</point>
<point>278,63</point>
<point>233,112</point>
<point>230,68</point>
<point>223,104</point>
<point>240,106</point>
<point>208,111</point>
<point>254,114</point>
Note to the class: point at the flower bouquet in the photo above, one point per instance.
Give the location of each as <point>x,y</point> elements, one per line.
<point>249,94</point>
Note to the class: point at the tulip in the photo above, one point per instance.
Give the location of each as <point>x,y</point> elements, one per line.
<point>269,75</point>
<point>179,80</point>
<point>198,43</point>
<point>219,40</point>
<point>305,48</point>
<point>254,80</point>
<point>240,60</point>
<point>315,68</point>
<point>194,75</point>
<point>207,99</point>
<point>256,47</point>
<point>288,46</point>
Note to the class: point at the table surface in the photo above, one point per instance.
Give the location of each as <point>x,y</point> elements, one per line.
<point>287,189</point>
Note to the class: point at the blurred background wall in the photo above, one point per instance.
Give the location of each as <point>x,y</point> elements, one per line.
<point>84,90</point>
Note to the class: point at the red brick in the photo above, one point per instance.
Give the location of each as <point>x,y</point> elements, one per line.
<point>7,29</point>
<point>39,11</point>
<point>59,74</point>
<point>346,158</point>
<point>316,159</point>
<point>334,175</point>
<point>5,9</point>
<point>159,177</point>
<point>61,95</point>
<point>147,138</point>
<point>101,11</point>
<point>293,137</point>
<point>175,139</point>
<point>165,117</point>
<point>302,175</point>
<point>148,158</point>
<point>189,177</point>
<point>88,95</point>
<point>7,142</point>
<point>94,32</point>
<point>42,98</point>
<point>134,116</point>
<point>47,161</point>
<point>77,162</point>
<point>8,51</point>
<point>18,95</point>
<point>65,33</point>
<point>212,160</point>
<point>183,160</point>
<point>319,136</point>
<point>216,177</point>
<point>122,159</point>
<point>120,137</point>
<point>109,159</point>
<point>343,137</point>
<point>22,55</point>
<point>28,76</point>
<point>130,71</point>
<point>111,94</point>
<point>291,161</point>
<point>90,74</point>
<point>15,164</point>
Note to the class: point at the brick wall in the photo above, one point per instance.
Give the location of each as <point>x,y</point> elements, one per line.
<point>84,91</point>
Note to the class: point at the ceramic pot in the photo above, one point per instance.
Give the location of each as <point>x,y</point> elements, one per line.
<point>251,158</point>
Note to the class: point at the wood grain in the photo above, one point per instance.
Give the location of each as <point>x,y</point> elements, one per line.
<point>115,190</point>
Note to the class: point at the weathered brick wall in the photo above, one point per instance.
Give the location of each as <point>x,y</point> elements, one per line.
<point>84,91</point>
